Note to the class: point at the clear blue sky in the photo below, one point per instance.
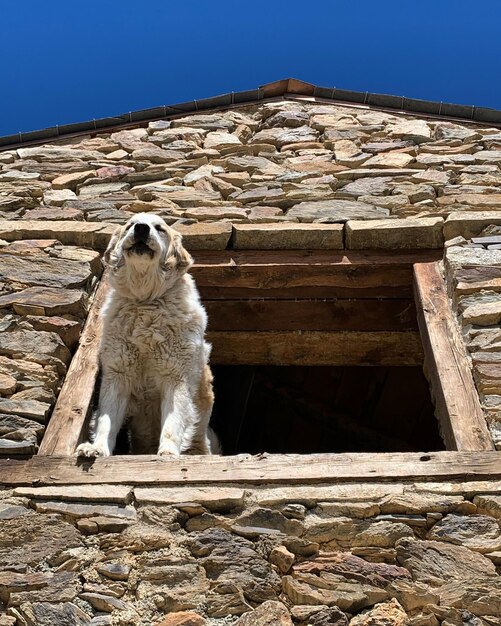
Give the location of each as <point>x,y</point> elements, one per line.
<point>63,62</point>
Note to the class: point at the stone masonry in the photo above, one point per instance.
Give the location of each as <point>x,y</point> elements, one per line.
<point>364,555</point>
<point>291,174</point>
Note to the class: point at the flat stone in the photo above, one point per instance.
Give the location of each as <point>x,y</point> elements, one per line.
<point>114,571</point>
<point>101,602</point>
<point>206,236</point>
<point>331,211</point>
<point>18,175</point>
<point>287,236</point>
<point>47,301</point>
<point>412,595</point>
<point>13,511</point>
<point>85,234</point>
<point>27,342</point>
<point>381,534</point>
<point>49,614</point>
<point>389,613</point>
<point>8,447</point>
<point>436,563</point>
<point>373,186</point>
<point>347,596</point>
<point>75,511</point>
<point>364,172</point>
<point>220,213</point>
<point>282,136</point>
<point>269,613</point>
<point>30,409</point>
<point>101,190</point>
<point>471,200</point>
<point>331,616</point>
<point>79,493</point>
<point>57,197</point>
<point>57,153</point>
<point>480,597</point>
<point>183,618</point>
<point>417,503</point>
<point>53,213</point>
<point>469,224</point>
<point>486,314</point>
<point>31,539</point>
<point>488,505</point>
<point>68,330</point>
<point>221,499</point>
<point>390,159</point>
<point>42,269</point>
<point>477,532</point>
<point>70,181</point>
<point>395,233</point>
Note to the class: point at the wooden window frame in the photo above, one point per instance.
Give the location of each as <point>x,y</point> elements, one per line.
<point>285,274</point>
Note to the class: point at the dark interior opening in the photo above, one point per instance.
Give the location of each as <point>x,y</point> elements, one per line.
<point>289,409</point>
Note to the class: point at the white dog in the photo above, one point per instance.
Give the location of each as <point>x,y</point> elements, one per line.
<point>153,354</point>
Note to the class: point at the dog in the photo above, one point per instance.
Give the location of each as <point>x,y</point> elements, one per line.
<point>153,353</point>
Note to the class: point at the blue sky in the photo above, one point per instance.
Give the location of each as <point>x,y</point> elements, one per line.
<point>63,62</point>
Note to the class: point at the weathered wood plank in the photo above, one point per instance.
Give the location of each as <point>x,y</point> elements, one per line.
<point>346,315</point>
<point>288,293</point>
<point>290,269</point>
<point>245,469</point>
<point>458,407</point>
<point>316,348</point>
<point>74,401</point>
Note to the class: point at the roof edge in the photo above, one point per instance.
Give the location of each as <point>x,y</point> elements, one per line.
<point>269,92</point>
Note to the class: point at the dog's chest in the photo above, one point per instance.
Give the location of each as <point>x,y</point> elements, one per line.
<point>148,331</point>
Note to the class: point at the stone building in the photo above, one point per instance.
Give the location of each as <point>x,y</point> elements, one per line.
<point>341,242</point>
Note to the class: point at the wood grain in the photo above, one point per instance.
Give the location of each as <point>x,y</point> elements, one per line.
<point>347,315</point>
<point>74,402</point>
<point>458,407</point>
<point>316,348</point>
<point>262,469</point>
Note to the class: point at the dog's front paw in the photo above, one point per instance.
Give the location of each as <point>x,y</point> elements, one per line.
<point>168,448</point>
<point>91,450</point>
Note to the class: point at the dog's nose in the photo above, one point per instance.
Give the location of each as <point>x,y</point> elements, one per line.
<point>141,232</point>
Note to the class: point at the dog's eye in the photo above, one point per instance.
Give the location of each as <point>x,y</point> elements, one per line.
<point>159,228</point>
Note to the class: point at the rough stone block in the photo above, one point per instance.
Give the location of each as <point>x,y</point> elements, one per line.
<point>79,493</point>
<point>395,233</point>
<point>468,224</point>
<point>214,498</point>
<point>213,236</point>
<point>284,235</point>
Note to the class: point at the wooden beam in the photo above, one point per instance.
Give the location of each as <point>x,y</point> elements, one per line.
<point>458,409</point>
<point>260,469</point>
<point>345,315</point>
<point>297,268</point>
<point>74,402</point>
<point>316,348</point>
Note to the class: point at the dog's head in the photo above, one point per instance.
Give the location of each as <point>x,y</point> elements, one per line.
<point>146,257</point>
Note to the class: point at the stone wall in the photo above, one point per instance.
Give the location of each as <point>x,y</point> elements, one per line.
<point>361,554</point>
<point>285,174</point>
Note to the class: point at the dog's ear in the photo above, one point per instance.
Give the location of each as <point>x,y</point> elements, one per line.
<point>111,259</point>
<point>177,256</point>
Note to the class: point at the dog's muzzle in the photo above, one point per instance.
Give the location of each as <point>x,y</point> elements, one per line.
<point>141,237</point>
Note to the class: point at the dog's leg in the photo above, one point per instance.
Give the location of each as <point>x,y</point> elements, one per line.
<point>113,401</point>
<point>178,415</point>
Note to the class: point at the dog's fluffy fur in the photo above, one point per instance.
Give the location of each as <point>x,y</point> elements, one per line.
<point>153,355</point>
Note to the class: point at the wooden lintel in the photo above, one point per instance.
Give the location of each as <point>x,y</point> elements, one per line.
<point>74,402</point>
<point>306,315</point>
<point>262,469</point>
<point>458,408</point>
<point>316,348</point>
<point>292,269</point>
